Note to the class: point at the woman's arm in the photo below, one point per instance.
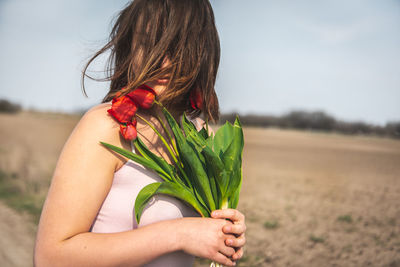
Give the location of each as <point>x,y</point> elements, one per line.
<point>197,236</point>
<point>81,181</point>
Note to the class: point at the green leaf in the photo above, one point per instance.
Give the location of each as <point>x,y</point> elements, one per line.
<point>215,163</point>
<point>192,134</point>
<point>167,188</point>
<point>146,153</point>
<point>139,159</point>
<point>143,197</point>
<point>234,200</point>
<point>232,158</point>
<point>210,141</point>
<point>173,125</point>
<point>192,162</point>
<point>214,187</point>
<point>238,127</point>
<point>201,199</point>
<point>203,133</point>
<point>184,194</point>
<point>223,138</point>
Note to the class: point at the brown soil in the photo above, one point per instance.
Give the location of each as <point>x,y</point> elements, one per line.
<point>310,199</point>
<point>17,238</point>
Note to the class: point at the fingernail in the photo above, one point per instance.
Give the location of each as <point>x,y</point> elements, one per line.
<point>215,213</point>
<point>229,241</point>
<point>228,228</point>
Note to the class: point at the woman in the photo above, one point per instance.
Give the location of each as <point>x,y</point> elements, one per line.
<point>88,219</point>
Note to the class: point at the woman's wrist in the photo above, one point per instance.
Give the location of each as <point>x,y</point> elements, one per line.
<point>180,233</point>
<point>174,236</point>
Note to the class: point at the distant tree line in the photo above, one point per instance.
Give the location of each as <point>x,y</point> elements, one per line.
<point>317,120</point>
<point>9,107</point>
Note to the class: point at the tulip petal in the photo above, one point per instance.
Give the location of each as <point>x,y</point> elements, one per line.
<point>134,121</point>
<point>123,109</point>
<point>128,131</point>
<point>117,95</point>
<point>196,101</point>
<point>143,96</point>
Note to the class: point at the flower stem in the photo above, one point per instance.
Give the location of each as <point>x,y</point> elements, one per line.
<point>224,204</point>
<point>166,129</point>
<point>169,135</point>
<point>161,137</point>
<point>207,127</point>
<point>178,163</point>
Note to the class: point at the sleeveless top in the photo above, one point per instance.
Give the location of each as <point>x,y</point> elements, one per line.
<point>117,212</point>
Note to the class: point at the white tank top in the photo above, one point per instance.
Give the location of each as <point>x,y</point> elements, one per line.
<point>117,211</point>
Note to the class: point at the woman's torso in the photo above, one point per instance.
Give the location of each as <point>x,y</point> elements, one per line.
<point>117,211</point>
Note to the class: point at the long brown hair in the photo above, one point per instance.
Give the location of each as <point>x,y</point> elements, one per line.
<point>147,32</point>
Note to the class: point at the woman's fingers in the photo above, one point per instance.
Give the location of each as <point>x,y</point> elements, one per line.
<point>235,237</point>
<point>231,214</point>
<point>238,254</point>
<point>227,251</point>
<point>222,259</point>
<point>236,242</point>
<point>237,229</point>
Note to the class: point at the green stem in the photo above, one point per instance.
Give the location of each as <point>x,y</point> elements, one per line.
<point>207,127</point>
<point>178,163</point>
<point>224,204</point>
<point>166,129</point>
<point>161,137</point>
<point>169,135</point>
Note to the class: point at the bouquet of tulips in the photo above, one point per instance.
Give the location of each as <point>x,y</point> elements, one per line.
<point>207,169</point>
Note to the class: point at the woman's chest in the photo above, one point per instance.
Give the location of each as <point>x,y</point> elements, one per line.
<point>117,212</point>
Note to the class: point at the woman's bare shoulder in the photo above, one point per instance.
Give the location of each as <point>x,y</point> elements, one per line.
<point>97,125</point>
<point>98,117</point>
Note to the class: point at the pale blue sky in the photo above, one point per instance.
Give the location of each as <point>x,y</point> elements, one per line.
<point>340,56</point>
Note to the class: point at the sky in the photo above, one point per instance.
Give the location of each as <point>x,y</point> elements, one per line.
<point>337,56</point>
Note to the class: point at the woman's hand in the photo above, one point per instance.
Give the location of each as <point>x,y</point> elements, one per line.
<point>204,237</point>
<point>238,228</point>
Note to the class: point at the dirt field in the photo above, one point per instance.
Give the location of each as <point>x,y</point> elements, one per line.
<point>310,199</point>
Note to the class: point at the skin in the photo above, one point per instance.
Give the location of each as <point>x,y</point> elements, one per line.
<point>81,181</point>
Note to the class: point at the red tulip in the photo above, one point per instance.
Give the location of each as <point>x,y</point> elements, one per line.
<point>143,96</point>
<point>196,99</point>
<point>123,109</point>
<point>117,95</point>
<point>128,131</point>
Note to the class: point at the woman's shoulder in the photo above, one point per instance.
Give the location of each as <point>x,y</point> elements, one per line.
<point>98,113</point>
<point>97,125</point>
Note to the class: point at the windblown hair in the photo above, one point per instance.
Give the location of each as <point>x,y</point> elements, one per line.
<point>148,32</point>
